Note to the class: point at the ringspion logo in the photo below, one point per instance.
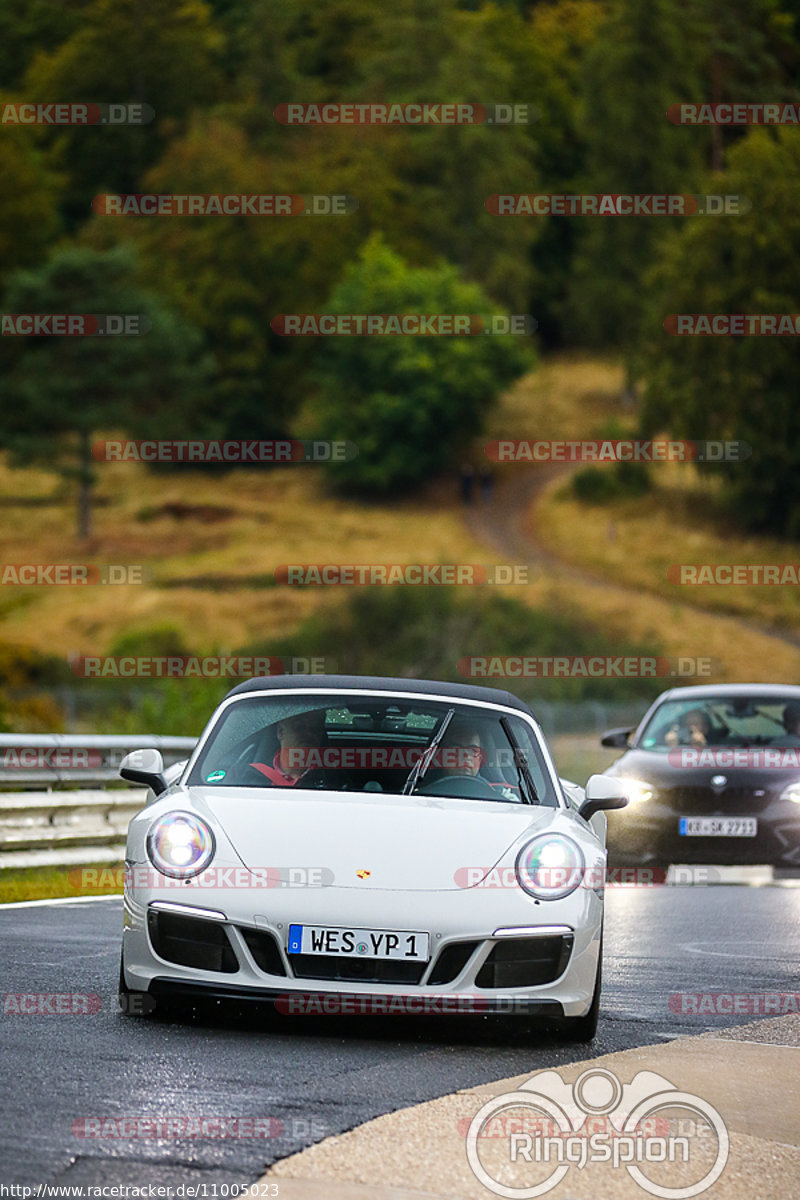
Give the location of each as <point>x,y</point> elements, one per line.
<point>634,1137</point>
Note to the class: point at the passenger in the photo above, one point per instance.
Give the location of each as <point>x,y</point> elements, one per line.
<point>791,723</point>
<point>306,731</point>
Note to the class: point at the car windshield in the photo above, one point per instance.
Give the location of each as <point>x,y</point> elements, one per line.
<point>723,721</point>
<point>366,743</point>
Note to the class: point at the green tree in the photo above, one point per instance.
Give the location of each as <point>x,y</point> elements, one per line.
<point>125,51</point>
<point>58,391</point>
<point>408,402</point>
<point>737,388</point>
<point>749,47</point>
<point>28,27</point>
<point>28,203</point>
<point>644,57</point>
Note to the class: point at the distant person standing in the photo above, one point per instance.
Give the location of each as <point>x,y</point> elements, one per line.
<point>487,483</point>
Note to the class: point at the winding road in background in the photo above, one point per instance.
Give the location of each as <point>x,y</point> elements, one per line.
<point>507,523</point>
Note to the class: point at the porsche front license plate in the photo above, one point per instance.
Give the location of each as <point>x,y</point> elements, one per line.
<point>719,826</point>
<point>358,943</point>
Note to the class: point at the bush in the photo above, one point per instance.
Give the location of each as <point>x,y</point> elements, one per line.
<point>408,402</point>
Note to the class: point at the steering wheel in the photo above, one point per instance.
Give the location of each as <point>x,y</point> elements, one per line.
<point>459,785</point>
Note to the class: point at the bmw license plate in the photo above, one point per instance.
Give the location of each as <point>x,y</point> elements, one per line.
<point>358,943</point>
<point>718,826</point>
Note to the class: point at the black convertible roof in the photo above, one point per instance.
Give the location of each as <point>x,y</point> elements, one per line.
<point>709,691</point>
<point>379,683</point>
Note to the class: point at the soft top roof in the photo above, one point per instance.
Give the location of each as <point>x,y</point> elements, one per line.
<point>379,683</point>
<point>708,691</point>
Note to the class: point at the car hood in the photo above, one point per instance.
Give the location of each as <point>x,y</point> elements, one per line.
<point>413,843</point>
<point>750,771</point>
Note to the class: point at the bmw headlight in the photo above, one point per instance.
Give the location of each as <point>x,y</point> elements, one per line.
<point>638,791</point>
<point>550,867</point>
<point>180,845</point>
<point>792,792</point>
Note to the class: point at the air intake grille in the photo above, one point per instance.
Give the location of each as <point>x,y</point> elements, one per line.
<point>526,962</point>
<point>191,941</point>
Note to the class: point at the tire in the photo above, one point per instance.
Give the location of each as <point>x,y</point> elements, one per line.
<point>133,1003</point>
<point>583,1029</point>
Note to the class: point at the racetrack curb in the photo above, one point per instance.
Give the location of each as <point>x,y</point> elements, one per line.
<point>750,1074</point>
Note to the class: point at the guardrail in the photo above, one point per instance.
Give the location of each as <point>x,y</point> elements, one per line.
<point>47,818</point>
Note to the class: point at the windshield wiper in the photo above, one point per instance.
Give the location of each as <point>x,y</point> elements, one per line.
<point>521,762</point>
<point>424,761</point>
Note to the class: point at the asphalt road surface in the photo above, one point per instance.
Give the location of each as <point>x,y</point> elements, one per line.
<point>314,1077</point>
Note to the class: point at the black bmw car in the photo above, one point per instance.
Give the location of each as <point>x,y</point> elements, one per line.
<point>713,775</point>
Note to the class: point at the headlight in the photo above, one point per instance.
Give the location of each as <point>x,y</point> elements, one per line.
<point>550,867</point>
<point>792,792</point>
<point>180,845</point>
<point>638,791</point>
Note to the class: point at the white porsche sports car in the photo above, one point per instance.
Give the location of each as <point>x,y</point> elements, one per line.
<point>345,844</point>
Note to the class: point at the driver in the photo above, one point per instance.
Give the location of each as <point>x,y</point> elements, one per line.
<point>461,751</point>
<point>306,731</point>
<point>693,729</point>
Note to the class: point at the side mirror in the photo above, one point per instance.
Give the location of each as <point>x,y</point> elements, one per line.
<point>144,766</point>
<point>616,738</point>
<point>602,792</point>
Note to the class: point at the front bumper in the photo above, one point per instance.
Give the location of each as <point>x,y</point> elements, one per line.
<point>648,833</point>
<point>247,957</point>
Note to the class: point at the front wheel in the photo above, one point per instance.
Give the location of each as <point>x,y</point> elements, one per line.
<point>583,1029</point>
<point>133,1003</point>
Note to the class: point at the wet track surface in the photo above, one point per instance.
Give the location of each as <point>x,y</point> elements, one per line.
<point>315,1076</point>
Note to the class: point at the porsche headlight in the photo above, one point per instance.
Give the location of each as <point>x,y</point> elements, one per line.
<point>180,845</point>
<point>638,791</point>
<point>792,792</point>
<point>550,867</point>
